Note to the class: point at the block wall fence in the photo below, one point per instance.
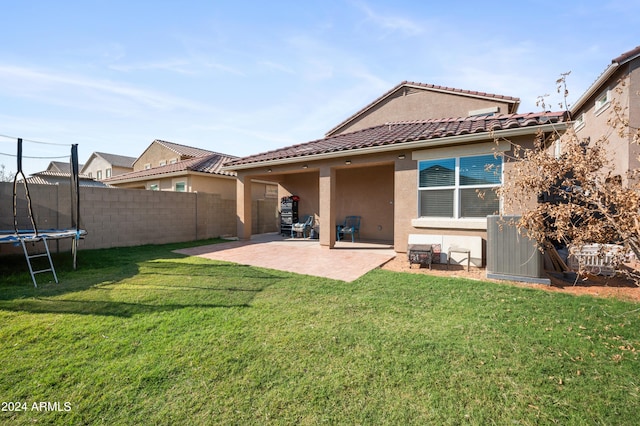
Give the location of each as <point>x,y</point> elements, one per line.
<point>115,217</point>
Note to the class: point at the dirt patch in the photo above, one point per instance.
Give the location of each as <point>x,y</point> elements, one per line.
<point>599,286</point>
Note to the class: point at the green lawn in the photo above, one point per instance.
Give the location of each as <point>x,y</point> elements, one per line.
<point>145,336</point>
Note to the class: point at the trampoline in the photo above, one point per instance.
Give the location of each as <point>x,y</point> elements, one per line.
<point>11,237</point>
<point>33,235</point>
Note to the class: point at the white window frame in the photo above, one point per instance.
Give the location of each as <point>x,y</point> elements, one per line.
<point>602,102</point>
<point>579,122</point>
<point>457,189</point>
<point>175,186</point>
<point>99,174</point>
<point>163,163</point>
<point>147,166</point>
<point>108,173</point>
<point>154,187</point>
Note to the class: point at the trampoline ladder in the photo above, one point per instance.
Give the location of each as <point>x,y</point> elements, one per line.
<point>46,254</point>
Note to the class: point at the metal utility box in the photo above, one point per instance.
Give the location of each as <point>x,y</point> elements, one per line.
<point>511,255</point>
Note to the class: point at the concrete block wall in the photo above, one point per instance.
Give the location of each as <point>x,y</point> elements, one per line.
<point>128,217</point>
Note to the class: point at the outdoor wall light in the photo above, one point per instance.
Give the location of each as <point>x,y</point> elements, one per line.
<point>305,167</point>
<point>268,170</point>
<point>401,157</point>
<point>347,162</point>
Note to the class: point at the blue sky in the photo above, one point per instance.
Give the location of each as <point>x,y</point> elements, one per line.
<point>242,77</point>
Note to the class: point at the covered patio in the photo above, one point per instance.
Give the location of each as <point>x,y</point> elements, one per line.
<point>403,169</point>
<point>347,262</point>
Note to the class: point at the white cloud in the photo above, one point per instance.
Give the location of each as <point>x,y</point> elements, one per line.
<point>390,23</point>
<point>66,89</point>
<point>276,66</point>
<point>178,66</point>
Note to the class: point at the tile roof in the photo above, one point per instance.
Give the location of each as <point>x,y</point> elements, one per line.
<point>473,93</point>
<point>461,91</point>
<point>117,160</point>
<point>184,150</point>
<point>626,56</point>
<point>60,166</point>
<point>211,163</point>
<point>54,178</point>
<point>402,132</point>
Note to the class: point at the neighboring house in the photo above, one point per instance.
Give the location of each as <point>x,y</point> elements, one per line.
<point>403,177</point>
<point>618,85</point>
<point>102,165</point>
<point>161,153</point>
<point>194,170</point>
<point>56,178</point>
<point>167,166</point>
<point>199,174</point>
<point>60,167</point>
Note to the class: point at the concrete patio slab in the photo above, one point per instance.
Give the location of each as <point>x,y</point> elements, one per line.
<point>347,262</point>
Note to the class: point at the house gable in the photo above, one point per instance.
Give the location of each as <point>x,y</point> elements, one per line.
<point>203,174</point>
<point>160,153</point>
<point>608,77</point>
<point>619,84</point>
<point>58,166</point>
<point>417,101</point>
<point>103,162</point>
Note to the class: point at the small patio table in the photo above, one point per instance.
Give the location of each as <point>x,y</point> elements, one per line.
<point>459,250</point>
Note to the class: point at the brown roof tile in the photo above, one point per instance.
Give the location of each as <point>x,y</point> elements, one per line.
<point>211,163</point>
<point>184,150</point>
<point>626,56</point>
<point>48,177</point>
<point>117,160</point>
<point>402,132</point>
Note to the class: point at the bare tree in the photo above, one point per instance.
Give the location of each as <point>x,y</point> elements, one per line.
<point>5,176</point>
<point>580,198</point>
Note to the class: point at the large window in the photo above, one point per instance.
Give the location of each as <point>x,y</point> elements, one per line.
<point>460,187</point>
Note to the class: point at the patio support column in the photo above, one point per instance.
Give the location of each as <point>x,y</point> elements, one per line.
<point>243,206</point>
<point>327,206</point>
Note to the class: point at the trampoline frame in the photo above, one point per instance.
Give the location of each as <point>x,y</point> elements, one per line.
<point>24,236</point>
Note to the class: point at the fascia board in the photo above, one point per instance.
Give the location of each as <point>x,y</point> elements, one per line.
<point>419,144</point>
<point>593,88</point>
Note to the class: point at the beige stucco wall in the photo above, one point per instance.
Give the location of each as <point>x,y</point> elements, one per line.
<point>306,186</point>
<point>418,104</point>
<point>624,88</point>
<point>634,111</point>
<point>96,164</point>
<point>99,163</point>
<point>225,186</point>
<point>367,192</point>
<point>154,154</point>
<point>120,170</point>
<point>382,188</point>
